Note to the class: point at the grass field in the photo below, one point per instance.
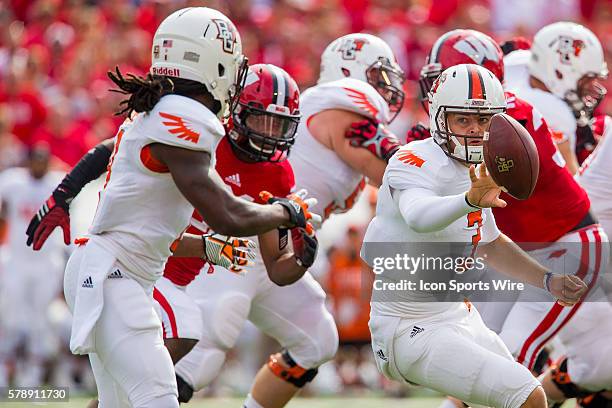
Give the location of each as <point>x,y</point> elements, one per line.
<point>298,403</point>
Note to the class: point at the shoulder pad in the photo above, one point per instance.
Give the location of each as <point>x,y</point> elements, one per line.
<point>356,96</point>
<point>182,122</point>
<point>415,165</point>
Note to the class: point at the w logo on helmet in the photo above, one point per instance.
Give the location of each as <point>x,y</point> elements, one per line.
<point>350,47</point>
<point>227,35</point>
<point>479,50</point>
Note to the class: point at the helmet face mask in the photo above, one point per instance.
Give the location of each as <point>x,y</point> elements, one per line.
<point>461,146</point>
<point>235,91</point>
<point>266,117</point>
<point>266,136</point>
<point>588,95</point>
<point>428,75</point>
<point>464,89</point>
<point>388,80</point>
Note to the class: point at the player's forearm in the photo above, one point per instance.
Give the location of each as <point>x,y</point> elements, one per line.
<point>506,257</point>
<point>571,162</point>
<point>424,212</point>
<point>190,246</point>
<point>244,218</point>
<point>285,270</point>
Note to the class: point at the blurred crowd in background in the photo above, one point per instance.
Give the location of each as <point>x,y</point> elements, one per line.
<point>54,55</point>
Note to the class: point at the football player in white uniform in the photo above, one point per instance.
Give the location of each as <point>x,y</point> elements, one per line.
<point>559,76</point>
<point>359,91</point>
<point>28,282</point>
<point>429,195</point>
<point>158,172</point>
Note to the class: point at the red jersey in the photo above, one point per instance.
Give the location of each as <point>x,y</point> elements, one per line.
<point>246,181</point>
<point>557,204</point>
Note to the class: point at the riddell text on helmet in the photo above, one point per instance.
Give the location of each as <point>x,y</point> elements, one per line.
<point>175,72</point>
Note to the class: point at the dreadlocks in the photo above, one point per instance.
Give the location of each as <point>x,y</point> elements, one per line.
<point>145,92</point>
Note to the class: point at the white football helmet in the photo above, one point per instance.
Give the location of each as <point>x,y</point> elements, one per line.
<point>563,54</point>
<point>464,88</point>
<point>203,45</point>
<point>369,59</point>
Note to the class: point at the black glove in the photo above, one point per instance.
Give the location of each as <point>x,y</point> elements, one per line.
<point>304,247</point>
<point>297,206</point>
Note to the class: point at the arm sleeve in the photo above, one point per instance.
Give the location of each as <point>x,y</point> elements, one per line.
<point>424,211</point>
<point>490,232</point>
<point>89,168</point>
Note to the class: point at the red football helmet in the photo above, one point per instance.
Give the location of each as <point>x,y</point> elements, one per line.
<point>460,47</point>
<point>266,118</point>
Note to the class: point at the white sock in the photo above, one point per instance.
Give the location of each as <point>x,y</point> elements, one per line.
<point>251,403</point>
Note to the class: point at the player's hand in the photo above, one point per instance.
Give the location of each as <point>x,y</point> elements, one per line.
<point>297,205</point>
<point>229,252</point>
<point>567,289</point>
<point>304,247</point>
<point>417,132</point>
<point>516,43</point>
<point>483,192</point>
<point>373,136</point>
<point>53,213</point>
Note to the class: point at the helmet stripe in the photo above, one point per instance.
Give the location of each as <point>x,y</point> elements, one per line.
<point>280,86</point>
<point>274,86</point>
<point>435,51</point>
<point>476,89</point>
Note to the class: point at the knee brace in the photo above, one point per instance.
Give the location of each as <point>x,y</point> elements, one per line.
<point>185,392</point>
<point>563,382</point>
<point>295,374</point>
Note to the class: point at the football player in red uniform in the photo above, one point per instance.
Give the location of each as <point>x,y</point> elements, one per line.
<point>249,160</point>
<point>554,225</point>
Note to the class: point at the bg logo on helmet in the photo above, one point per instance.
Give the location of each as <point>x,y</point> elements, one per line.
<point>568,46</point>
<point>227,35</point>
<point>350,47</point>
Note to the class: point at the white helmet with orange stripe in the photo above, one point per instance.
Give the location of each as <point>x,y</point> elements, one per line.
<point>468,89</point>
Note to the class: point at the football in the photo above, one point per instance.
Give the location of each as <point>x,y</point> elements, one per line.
<point>511,156</point>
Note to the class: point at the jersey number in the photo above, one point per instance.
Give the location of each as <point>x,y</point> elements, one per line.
<point>474,219</point>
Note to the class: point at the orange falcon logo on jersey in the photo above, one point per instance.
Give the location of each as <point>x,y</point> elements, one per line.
<point>362,101</point>
<point>408,157</point>
<point>177,126</point>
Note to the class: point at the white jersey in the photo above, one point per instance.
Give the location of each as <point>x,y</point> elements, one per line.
<point>319,169</point>
<point>142,213</point>
<point>23,195</point>
<point>594,174</point>
<point>421,166</point>
<point>556,112</point>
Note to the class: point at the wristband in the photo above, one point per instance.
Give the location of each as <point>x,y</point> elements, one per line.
<point>546,281</point>
<point>470,204</point>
